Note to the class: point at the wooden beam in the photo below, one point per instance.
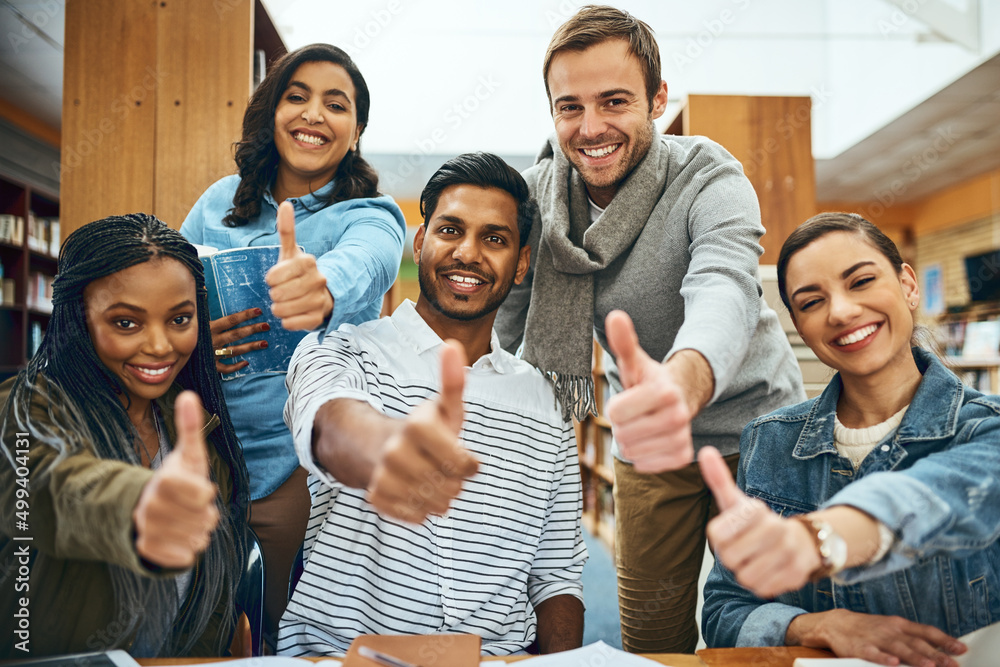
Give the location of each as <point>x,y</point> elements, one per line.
<point>110,87</point>
<point>772,137</point>
<point>205,52</point>
<point>975,199</point>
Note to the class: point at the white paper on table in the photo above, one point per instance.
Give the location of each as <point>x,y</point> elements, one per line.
<point>585,655</point>
<point>984,647</point>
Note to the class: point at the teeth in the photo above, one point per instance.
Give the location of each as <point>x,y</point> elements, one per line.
<point>600,152</point>
<point>468,280</point>
<point>161,371</point>
<point>309,139</point>
<point>860,334</point>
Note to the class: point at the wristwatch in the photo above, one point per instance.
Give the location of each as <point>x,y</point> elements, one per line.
<point>831,546</point>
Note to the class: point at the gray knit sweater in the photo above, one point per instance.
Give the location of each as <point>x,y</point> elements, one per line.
<point>691,282</point>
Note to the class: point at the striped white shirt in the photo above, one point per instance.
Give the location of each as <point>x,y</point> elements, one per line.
<point>510,540</point>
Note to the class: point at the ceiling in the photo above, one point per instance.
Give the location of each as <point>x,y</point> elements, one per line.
<point>949,137</point>
<point>31,57</point>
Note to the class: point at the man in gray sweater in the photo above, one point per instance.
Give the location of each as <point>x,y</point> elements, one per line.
<point>665,229</point>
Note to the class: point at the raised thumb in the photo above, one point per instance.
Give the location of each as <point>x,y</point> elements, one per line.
<point>286,231</point>
<point>190,447</point>
<point>624,344</point>
<point>720,481</point>
<point>452,383</point>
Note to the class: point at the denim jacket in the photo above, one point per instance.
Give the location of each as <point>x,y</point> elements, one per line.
<point>935,482</point>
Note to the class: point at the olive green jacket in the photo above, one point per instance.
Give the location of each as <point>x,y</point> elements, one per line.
<point>79,520</point>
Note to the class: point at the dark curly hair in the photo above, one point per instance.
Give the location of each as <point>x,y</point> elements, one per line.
<point>257,157</point>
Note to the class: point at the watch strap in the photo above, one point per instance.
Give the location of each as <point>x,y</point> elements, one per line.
<point>832,560</point>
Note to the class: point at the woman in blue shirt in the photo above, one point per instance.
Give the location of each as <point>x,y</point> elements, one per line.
<point>866,519</point>
<point>300,144</point>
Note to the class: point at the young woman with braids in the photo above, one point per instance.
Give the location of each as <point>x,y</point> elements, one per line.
<point>136,526</point>
<point>300,144</point>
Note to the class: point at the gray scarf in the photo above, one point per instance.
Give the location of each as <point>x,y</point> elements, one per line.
<point>559,331</point>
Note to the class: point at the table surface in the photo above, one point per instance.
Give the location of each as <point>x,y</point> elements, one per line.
<point>709,657</point>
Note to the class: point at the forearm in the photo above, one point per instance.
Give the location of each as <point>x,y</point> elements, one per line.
<point>859,530</point>
<point>807,630</point>
<point>694,374</point>
<point>347,439</point>
<point>560,624</point>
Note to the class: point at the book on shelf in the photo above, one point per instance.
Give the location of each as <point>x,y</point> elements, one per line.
<point>35,335</point>
<point>7,287</point>
<point>39,294</point>
<point>43,235</point>
<point>607,505</point>
<point>11,229</point>
<point>235,282</point>
<point>7,292</point>
<point>982,339</point>
<point>607,446</point>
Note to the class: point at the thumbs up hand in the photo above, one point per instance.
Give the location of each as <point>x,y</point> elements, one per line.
<point>767,554</point>
<point>650,419</point>
<point>298,289</point>
<point>422,466</point>
<point>176,512</point>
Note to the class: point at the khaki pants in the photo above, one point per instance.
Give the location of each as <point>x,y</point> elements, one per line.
<point>660,546</point>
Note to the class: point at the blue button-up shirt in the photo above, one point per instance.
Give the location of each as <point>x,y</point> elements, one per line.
<point>358,245</point>
<point>934,481</point>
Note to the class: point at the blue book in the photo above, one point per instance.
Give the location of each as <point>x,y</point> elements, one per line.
<point>235,281</point>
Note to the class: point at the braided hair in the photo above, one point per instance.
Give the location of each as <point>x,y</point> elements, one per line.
<point>85,412</point>
<point>257,157</point>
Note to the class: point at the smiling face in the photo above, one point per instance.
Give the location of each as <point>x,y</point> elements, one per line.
<point>468,254</point>
<point>851,307</point>
<point>143,325</point>
<point>315,124</point>
<point>602,115</point>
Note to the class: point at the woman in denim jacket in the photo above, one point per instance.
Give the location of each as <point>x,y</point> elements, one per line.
<point>865,520</point>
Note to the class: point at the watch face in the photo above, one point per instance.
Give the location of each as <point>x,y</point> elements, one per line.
<point>836,549</point>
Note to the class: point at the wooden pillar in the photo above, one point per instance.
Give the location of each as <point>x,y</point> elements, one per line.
<point>772,137</point>
<point>153,99</point>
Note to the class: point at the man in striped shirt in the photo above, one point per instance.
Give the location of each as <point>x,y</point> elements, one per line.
<point>444,499</point>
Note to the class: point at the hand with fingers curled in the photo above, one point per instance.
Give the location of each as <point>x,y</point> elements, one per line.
<point>767,554</point>
<point>299,293</point>
<point>651,418</point>
<point>884,640</point>
<point>422,465</point>
<point>227,330</point>
<point>176,513</point>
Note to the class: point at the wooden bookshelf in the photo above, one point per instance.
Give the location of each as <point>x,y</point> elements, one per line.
<point>593,437</point>
<point>23,322</point>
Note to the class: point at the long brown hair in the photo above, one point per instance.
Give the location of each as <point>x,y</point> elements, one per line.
<point>257,157</point>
